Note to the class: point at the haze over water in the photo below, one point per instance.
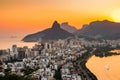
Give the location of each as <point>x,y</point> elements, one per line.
<point>107,68</point>
<point>7,42</point>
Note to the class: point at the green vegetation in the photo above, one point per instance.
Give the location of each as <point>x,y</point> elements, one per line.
<point>104,51</point>
<point>11,77</point>
<point>80,65</point>
<point>90,74</point>
<point>0,62</point>
<point>28,70</point>
<point>14,77</point>
<point>57,75</point>
<point>7,71</point>
<point>1,66</point>
<point>12,61</point>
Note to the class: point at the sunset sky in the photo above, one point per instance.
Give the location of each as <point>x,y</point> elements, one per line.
<point>21,17</point>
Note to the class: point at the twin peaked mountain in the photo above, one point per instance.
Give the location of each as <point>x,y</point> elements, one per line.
<point>97,30</point>
<point>54,33</point>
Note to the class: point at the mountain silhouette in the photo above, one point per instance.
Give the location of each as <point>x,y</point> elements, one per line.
<point>101,30</point>
<point>53,33</point>
<point>67,27</point>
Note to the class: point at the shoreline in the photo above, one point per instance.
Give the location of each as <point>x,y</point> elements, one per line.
<point>86,73</point>
<point>105,68</point>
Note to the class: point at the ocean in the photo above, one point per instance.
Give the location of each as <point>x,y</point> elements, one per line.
<point>6,43</point>
<point>106,68</point>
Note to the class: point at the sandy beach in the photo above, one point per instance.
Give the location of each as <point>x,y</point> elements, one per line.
<point>107,68</point>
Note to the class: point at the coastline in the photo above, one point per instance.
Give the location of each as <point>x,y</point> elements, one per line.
<point>81,63</point>
<point>105,68</point>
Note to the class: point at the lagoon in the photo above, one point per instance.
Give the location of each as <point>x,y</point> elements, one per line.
<point>106,68</point>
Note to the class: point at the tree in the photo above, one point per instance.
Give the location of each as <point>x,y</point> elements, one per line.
<point>28,70</point>
<point>13,77</point>
<point>57,75</point>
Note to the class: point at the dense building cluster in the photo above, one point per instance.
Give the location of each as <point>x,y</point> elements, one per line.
<point>48,60</point>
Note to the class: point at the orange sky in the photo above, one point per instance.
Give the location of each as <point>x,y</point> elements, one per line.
<point>21,17</point>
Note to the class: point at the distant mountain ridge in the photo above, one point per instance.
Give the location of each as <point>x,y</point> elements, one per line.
<point>95,30</point>
<point>101,30</point>
<point>53,33</point>
<point>67,27</point>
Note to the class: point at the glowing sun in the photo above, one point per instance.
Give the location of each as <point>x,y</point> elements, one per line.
<point>116,15</point>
